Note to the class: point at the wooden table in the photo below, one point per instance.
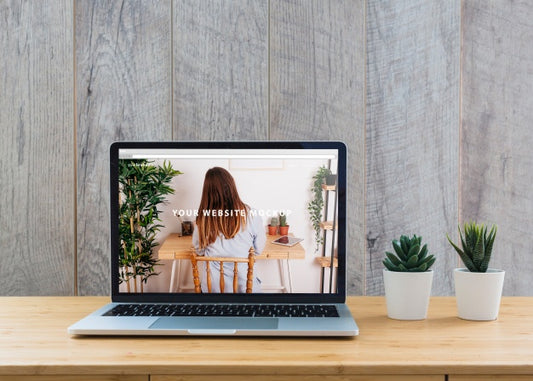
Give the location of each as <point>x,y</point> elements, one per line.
<point>34,342</point>
<point>177,248</point>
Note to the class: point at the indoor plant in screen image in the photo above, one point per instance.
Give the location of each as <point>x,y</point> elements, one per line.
<point>315,207</point>
<point>273,226</point>
<point>478,288</point>
<point>143,187</point>
<point>283,226</point>
<point>408,279</point>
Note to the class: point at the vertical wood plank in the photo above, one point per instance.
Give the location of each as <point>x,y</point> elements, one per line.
<point>220,57</point>
<point>317,93</point>
<point>412,129</point>
<point>123,68</point>
<point>36,148</point>
<point>496,165</point>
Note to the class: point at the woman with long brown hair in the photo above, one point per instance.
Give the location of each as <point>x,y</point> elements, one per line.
<point>226,227</point>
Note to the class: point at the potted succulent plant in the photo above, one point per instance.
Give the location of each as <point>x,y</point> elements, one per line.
<point>283,227</point>
<point>408,279</point>
<point>478,288</point>
<point>273,226</point>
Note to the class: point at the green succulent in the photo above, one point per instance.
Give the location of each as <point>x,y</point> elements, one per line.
<point>282,219</point>
<point>274,221</point>
<point>477,246</point>
<point>410,256</point>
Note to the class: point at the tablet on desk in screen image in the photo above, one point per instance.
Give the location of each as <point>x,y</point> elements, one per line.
<point>287,241</point>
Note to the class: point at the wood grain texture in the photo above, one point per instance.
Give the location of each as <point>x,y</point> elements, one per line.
<point>496,165</point>
<point>74,377</point>
<point>317,93</point>
<point>36,149</point>
<point>293,377</point>
<point>123,67</point>
<point>220,86</point>
<point>412,135</point>
<point>442,344</point>
<point>488,377</point>
<point>267,70</point>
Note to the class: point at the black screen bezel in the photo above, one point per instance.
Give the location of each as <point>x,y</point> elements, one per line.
<point>338,297</point>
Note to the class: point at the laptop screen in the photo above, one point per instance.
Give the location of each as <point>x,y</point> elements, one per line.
<point>242,221</point>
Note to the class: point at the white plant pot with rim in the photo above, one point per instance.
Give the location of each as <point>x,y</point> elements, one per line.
<point>478,295</point>
<point>407,294</point>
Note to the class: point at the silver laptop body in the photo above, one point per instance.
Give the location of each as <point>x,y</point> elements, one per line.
<point>312,303</point>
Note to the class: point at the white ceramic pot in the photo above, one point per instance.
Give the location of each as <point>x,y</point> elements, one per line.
<point>407,294</point>
<point>478,295</point>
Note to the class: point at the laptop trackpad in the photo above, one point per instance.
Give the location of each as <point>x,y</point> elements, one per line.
<point>214,323</point>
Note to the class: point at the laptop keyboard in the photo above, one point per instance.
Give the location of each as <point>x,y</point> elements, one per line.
<point>256,310</point>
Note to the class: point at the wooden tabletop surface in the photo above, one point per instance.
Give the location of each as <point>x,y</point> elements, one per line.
<point>34,340</point>
<point>179,247</point>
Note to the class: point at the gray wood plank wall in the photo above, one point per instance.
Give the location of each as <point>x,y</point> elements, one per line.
<point>220,70</point>
<point>316,88</point>
<point>412,131</point>
<point>123,67</point>
<point>382,76</point>
<point>497,141</point>
<point>37,194</point>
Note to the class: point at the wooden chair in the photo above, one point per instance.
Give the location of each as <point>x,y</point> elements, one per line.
<point>235,260</point>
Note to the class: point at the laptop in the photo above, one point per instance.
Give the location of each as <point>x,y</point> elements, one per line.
<point>158,190</point>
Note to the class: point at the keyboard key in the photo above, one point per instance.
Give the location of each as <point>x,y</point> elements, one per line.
<point>254,310</point>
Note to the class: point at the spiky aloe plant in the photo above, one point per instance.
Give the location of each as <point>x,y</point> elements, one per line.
<point>410,256</point>
<point>477,246</point>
